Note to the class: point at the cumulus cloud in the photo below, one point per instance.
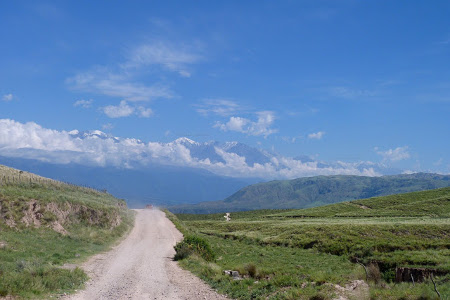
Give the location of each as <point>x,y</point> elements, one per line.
<point>30,140</point>
<point>221,107</point>
<point>144,112</point>
<point>393,155</point>
<point>17,135</point>
<point>317,135</point>
<point>126,110</point>
<point>122,110</point>
<point>261,126</point>
<point>8,97</point>
<point>83,103</point>
<point>234,124</point>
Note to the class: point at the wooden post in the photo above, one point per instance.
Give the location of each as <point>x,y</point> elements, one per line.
<point>365,269</point>
<point>434,283</point>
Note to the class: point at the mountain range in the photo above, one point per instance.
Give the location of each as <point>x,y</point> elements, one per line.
<point>316,191</point>
<point>179,172</point>
<point>232,159</point>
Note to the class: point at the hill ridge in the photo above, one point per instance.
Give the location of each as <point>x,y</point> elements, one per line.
<point>316,191</point>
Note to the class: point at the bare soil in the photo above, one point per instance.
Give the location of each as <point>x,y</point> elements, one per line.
<point>141,266</point>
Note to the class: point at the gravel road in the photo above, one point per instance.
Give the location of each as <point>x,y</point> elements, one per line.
<point>141,266</point>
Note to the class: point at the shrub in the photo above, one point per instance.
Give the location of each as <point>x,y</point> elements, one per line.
<point>389,275</point>
<point>317,297</point>
<point>251,270</point>
<point>194,244</point>
<point>182,250</point>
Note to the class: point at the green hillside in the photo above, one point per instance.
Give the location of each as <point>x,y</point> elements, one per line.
<point>394,237</point>
<point>432,203</point>
<point>316,191</point>
<point>46,224</point>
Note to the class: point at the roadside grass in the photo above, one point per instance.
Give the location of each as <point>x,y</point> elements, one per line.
<point>33,259</point>
<point>271,271</point>
<point>405,244</point>
<point>326,242</point>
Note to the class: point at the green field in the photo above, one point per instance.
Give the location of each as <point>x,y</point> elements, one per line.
<point>300,254</point>
<point>45,225</point>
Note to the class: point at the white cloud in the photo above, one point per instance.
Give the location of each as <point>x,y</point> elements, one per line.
<point>234,124</point>
<point>171,57</point>
<point>142,62</point>
<point>126,110</point>
<point>221,107</point>
<point>122,110</point>
<point>107,126</point>
<point>8,97</point>
<point>101,80</point>
<point>138,77</point>
<point>17,135</point>
<point>397,154</point>
<point>184,73</point>
<point>289,139</point>
<point>30,140</point>
<point>144,112</point>
<point>317,135</point>
<point>83,103</point>
<point>243,125</point>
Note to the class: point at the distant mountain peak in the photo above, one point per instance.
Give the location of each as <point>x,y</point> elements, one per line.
<point>92,134</point>
<point>98,132</point>
<point>185,140</point>
<point>227,145</point>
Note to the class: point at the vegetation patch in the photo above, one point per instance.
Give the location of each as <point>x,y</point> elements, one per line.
<point>321,253</point>
<point>194,244</point>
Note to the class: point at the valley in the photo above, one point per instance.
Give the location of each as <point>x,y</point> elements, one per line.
<point>77,242</point>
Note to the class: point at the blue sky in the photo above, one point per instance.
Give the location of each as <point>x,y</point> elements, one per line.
<point>337,80</point>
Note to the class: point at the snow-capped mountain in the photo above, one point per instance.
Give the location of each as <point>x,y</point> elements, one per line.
<point>93,134</point>
<point>215,152</point>
<point>234,159</point>
<point>137,169</point>
<point>208,150</point>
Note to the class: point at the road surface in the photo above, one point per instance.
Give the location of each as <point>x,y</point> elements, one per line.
<point>141,266</point>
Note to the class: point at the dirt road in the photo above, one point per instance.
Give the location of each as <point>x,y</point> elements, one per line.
<point>141,266</point>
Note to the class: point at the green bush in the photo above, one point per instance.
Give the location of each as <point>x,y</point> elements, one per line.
<point>194,244</point>
<point>251,270</point>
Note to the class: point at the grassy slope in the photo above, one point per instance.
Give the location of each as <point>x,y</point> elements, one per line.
<point>408,230</point>
<point>31,255</point>
<point>316,191</point>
